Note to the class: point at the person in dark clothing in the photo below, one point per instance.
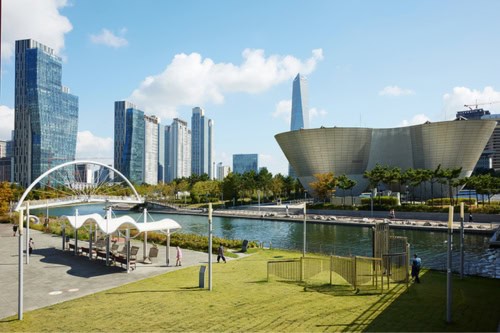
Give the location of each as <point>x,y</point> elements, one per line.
<point>416,263</point>
<point>470,217</point>
<point>14,228</point>
<point>220,254</point>
<point>31,246</point>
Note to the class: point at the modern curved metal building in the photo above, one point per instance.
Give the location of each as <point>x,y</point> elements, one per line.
<point>352,151</point>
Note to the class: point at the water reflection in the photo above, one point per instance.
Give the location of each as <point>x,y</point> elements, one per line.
<point>333,239</point>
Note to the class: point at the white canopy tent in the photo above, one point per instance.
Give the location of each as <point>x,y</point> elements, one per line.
<point>109,225</point>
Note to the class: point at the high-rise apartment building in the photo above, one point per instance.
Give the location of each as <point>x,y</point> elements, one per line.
<point>129,141</point>
<point>46,114</point>
<point>202,143</point>
<point>300,109</point>
<point>490,157</point>
<point>222,171</point>
<point>151,126</point>
<point>3,148</point>
<point>161,153</point>
<point>5,163</point>
<point>245,162</point>
<point>177,150</point>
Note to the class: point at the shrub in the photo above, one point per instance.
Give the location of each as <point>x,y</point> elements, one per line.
<point>185,241</point>
<point>446,201</point>
<point>384,201</point>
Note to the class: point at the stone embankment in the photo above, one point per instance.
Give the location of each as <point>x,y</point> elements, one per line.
<point>431,225</point>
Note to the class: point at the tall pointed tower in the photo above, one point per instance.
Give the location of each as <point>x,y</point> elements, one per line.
<point>300,109</point>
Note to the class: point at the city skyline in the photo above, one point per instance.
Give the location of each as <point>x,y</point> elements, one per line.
<point>382,65</point>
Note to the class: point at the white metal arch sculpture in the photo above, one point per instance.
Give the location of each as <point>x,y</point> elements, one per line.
<point>48,172</point>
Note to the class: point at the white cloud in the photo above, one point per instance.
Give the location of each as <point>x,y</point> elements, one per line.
<point>6,122</point>
<point>278,164</point>
<point>284,110</point>
<point>91,147</point>
<point>416,120</point>
<point>461,96</point>
<point>33,19</point>
<point>313,113</point>
<point>395,91</point>
<point>191,79</point>
<point>108,38</point>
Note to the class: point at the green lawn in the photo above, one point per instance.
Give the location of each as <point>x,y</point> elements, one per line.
<point>242,300</point>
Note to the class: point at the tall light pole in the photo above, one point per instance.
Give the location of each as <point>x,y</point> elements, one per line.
<point>210,246</point>
<point>449,265</point>
<point>258,199</point>
<point>305,220</point>
<point>20,291</point>
<point>462,236</point>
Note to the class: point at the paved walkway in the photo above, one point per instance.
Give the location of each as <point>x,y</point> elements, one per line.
<point>54,276</point>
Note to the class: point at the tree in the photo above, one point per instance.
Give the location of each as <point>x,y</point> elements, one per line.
<point>264,179</point>
<point>277,185</point>
<point>447,176</point>
<point>289,185</point>
<point>205,190</point>
<point>346,183</point>
<point>325,185</point>
<point>231,186</point>
<point>6,196</point>
<point>375,175</point>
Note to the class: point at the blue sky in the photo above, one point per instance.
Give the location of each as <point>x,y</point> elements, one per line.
<point>368,63</point>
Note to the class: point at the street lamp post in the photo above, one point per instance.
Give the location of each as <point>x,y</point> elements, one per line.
<point>305,220</point>
<point>449,265</point>
<point>462,236</point>
<point>258,198</point>
<point>210,246</point>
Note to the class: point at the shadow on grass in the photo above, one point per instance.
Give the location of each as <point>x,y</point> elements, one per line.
<point>184,289</point>
<point>342,290</point>
<point>475,307</point>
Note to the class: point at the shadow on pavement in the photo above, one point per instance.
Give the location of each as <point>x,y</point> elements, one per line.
<point>78,265</point>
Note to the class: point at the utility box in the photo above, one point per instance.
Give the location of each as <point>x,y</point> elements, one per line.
<point>202,276</point>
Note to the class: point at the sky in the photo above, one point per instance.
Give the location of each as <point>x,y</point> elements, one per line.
<point>368,63</point>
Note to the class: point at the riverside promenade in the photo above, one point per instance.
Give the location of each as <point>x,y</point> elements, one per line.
<point>53,276</point>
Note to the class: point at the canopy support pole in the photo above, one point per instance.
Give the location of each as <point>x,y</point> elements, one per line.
<point>91,236</point>
<point>76,232</point>
<point>27,233</point>
<point>168,247</point>
<point>127,241</point>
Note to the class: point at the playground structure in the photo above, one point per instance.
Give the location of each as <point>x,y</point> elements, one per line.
<point>389,263</point>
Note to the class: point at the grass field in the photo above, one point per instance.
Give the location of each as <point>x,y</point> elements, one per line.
<point>243,300</point>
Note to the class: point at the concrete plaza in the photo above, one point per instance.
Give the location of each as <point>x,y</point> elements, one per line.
<point>53,276</point>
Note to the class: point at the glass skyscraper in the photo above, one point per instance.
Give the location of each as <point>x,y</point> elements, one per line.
<point>46,114</point>
<point>300,109</point>
<point>245,162</point>
<point>202,143</point>
<point>129,141</point>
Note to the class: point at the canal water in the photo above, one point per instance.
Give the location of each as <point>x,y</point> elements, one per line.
<point>330,239</point>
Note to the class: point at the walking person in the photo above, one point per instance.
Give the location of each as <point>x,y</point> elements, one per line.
<point>220,254</point>
<point>31,245</point>
<point>14,228</point>
<point>178,257</point>
<point>416,263</point>
<point>470,217</point>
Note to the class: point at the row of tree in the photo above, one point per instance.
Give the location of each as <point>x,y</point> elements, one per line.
<point>200,188</point>
<point>414,181</point>
<point>251,185</point>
